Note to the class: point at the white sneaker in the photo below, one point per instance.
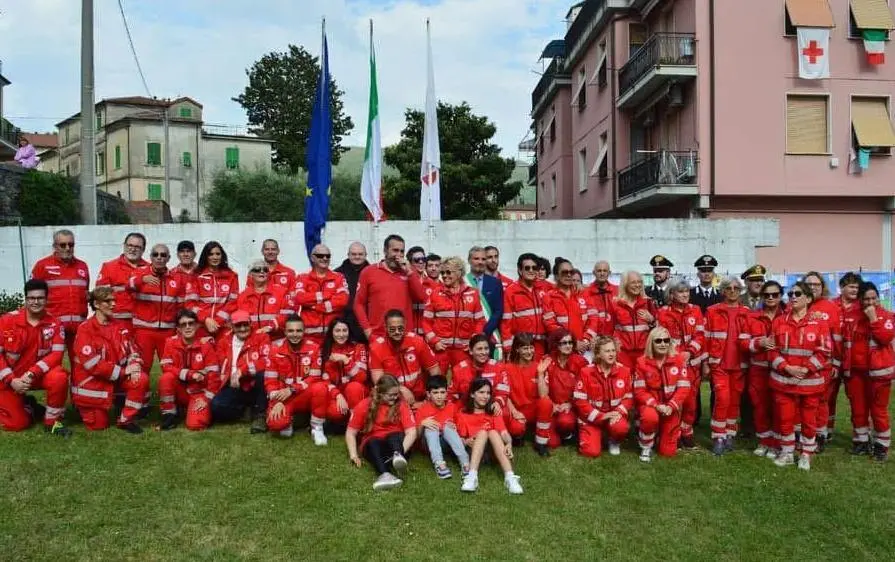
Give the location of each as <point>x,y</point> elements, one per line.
<point>386,481</point>
<point>760,451</point>
<point>511,481</point>
<point>614,449</point>
<point>319,436</point>
<point>287,432</point>
<point>784,459</point>
<point>805,462</point>
<point>771,454</point>
<point>399,463</point>
<point>471,483</point>
<point>646,455</point>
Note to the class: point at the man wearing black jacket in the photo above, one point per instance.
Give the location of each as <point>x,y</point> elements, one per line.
<point>350,269</point>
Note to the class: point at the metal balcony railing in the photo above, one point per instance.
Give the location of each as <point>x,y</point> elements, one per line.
<point>554,71</point>
<point>9,132</point>
<point>661,49</point>
<point>533,171</point>
<point>665,167</point>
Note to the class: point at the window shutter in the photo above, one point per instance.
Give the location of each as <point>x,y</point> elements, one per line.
<point>232,158</point>
<point>186,112</point>
<point>117,157</point>
<point>187,159</point>
<point>154,154</point>
<point>154,192</point>
<point>806,124</point>
<point>871,122</point>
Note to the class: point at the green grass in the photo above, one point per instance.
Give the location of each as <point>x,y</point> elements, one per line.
<point>228,495</point>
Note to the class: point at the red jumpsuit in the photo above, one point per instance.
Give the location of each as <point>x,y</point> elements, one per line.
<point>686,325</point>
<point>871,370</point>
<point>281,276</point>
<point>597,395</point>
<point>379,290</point>
<point>67,301</point>
<point>561,381</point>
<point>300,371</point>
<point>350,378</point>
<point>190,378</point>
<point>117,274</point>
<point>405,361</point>
<point>757,325</point>
<point>267,309</point>
<point>451,318</point>
<point>103,353</point>
<point>828,311</point>
<point>655,385</point>
<point>429,287</point>
<point>213,294</point>
<point>523,311</point>
<point>254,358</point>
<point>321,300</point>
<point>538,410</point>
<point>155,308</point>
<point>574,312</point>
<point>799,343</point>
<point>601,298</point>
<point>724,328</point>
<point>468,370</point>
<point>630,329</point>
<point>35,350</point>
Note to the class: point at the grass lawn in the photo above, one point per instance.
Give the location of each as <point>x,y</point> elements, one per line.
<point>228,495</point>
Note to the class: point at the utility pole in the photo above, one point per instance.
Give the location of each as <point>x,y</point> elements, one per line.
<point>88,144</point>
<point>167,195</point>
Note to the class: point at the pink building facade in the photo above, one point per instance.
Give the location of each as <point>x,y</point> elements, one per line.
<point>695,108</point>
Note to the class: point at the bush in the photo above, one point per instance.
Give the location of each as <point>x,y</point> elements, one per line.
<point>255,196</point>
<point>10,302</point>
<point>48,199</point>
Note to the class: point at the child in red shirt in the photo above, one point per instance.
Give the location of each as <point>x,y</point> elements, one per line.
<point>436,422</point>
<point>389,431</point>
<point>479,425</point>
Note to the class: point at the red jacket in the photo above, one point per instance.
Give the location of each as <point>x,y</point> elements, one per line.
<point>630,330</point>
<point>523,311</point>
<point>849,315</point>
<point>562,380</point>
<point>254,358</point>
<point>429,287</point>
<point>356,370</point>
<point>406,361</point>
<point>799,343</point>
<point>871,349</point>
<point>757,325</point>
<point>269,308</point>
<point>156,306</point>
<point>601,298</point>
<point>294,369</point>
<point>185,276</point>
<point>453,317</point>
<point>29,349</point>
<point>213,294</point>
<point>718,338</point>
<point>575,312</point>
<point>379,290</point>
<point>68,283</point>
<point>282,276</point>
<point>598,394</point>
<point>103,353</point>
<point>687,328</point>
<point>831,313</point>
<point>321,299</point>
<point>117,274</point>
<point>189,362</point>
<point>655,385</point>
<point>467,371</point>
<point>523,383</point>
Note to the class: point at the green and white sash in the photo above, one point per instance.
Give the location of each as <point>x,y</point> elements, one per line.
<point>486,308</point>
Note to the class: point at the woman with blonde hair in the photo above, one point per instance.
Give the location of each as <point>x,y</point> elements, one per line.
<point>603,400</point>
<point>661,385</point>
<point>632,315</point>
<point>452,316</point>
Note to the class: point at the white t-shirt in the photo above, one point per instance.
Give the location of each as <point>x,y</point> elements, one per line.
<point>237,349</point>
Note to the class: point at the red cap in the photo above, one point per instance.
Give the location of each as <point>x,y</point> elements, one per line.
<point>239,317</point>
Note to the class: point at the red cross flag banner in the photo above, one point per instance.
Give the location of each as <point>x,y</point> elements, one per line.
<point>814,52</point>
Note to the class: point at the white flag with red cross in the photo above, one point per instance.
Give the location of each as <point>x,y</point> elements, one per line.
<point>814,52</point>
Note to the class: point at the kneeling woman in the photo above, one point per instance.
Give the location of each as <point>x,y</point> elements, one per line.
<point>388,430</point>
<point>344,368</point>
<point>661,386</point>
<point>562,378</point>
<point>480,426</point>
<point>529,405</point>
<point>603,400</point>
<point>479,364</point>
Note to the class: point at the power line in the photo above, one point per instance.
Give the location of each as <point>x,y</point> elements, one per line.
<point>133,50</point>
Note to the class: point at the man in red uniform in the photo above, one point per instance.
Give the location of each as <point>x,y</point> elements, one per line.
<point>267,304</point>
<point>68,279</point>
<point>31,359</point>
<point>404,355</point>
<point>417,258</point>
<point>321,293</point>
<point>600,293</point>
<point>117,273</point>
<point>186,266</point>
<point>523,308</point>
<point>280,275</point>
<point>492,265</point>
<point>388,285</point>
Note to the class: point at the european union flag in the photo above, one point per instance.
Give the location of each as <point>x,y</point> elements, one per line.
<point>319,158</point>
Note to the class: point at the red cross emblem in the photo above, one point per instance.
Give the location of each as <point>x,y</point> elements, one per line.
<point>813,52</point>
<point>430,178</point>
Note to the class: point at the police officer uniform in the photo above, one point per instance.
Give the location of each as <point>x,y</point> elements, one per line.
<point>657,292</point>
<point>755,273</point>
<point>704,297</point>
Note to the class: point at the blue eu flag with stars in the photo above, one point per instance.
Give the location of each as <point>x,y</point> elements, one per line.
<point>319,158</point>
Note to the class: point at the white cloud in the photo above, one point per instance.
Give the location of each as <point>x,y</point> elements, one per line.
<point>484,52</point>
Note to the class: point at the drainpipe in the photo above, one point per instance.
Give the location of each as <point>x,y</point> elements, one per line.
<point>887,234</point>
<point>130,196</point>
<point>612,121</point>
<point>712,171</point>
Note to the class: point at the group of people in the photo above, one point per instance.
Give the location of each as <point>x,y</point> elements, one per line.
<point>419,351</point>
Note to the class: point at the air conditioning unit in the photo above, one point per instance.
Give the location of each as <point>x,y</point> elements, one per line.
<point>675,96</point>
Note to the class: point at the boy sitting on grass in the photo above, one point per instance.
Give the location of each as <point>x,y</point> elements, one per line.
<point>436,417</point>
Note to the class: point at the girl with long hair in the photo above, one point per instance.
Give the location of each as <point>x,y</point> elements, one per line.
<point>529,405</point>
<point>213,293</point>
<point>344,365</point>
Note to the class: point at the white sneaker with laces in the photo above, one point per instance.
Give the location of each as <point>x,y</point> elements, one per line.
<point>784,459</point>
<point>399,463</point>
<point>319,436</point>
<point>287,432</point>
<point>805,462</point>
<point>386,481</point>
<point>646,455</point>
<point>511,481</point>
<point>470,483</point>
<point>771,454</point>
<point>614,449</point>
<point>760,451</point>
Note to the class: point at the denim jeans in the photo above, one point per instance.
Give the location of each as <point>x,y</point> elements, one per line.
<point>447,437</point>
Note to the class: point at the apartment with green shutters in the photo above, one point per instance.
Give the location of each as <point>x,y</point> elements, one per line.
<point>132,158</point>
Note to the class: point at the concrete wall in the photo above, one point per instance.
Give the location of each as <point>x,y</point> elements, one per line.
<point>627,244</point>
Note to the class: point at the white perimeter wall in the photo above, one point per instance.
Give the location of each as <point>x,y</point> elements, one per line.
<point>626,244</point>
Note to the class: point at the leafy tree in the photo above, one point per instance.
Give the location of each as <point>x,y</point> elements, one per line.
<point>250,196</point>
<point>474,177</point>
<point>279,100</point>
<point>10,301</point>
<point>345,203</point>
<point>47,199</point>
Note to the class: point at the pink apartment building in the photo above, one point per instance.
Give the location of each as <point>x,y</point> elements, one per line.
<point>695,108</point>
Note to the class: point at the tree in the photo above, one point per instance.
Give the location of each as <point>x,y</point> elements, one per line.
<point>255,196</point>
<point>47,199</point>
<point>473,174</point>
<point>279,100</point>
<point>345,203</point>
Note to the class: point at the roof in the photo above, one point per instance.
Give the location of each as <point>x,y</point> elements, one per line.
<point>136,100</point>
<point>4,81</point>
<point>555,48</point>
<point>42,140</point>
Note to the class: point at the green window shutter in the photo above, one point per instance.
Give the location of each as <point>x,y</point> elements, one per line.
<point>99,121</point>
<point>100,163</point>
<point>117,157</point>
<point>154,154</point>
<point>232,158</point>
<point>154,192</point>
<point>186,112</point>
<point>187,160</point>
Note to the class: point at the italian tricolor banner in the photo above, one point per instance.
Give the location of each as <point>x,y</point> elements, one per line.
<point>874,45</point>
<point>371,180</point>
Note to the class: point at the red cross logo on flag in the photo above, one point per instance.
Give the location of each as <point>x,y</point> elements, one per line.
<point>814,52</point>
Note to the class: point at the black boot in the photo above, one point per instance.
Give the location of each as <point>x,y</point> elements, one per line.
<point>687,442</point>
<point>880,452</point>
<point>821,444</point>
<point>58,429</point>
<point>37,410</point>
<point>169,421</point>
<point>131,428</point>
<point>542,449</point>
<point>259,424</point>
<point>860,448</point>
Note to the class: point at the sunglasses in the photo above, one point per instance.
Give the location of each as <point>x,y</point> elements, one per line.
<point>259,270</point>
<point>662,340</point>
<point>395,329</point>
<point>322,256</point>
<point>529,268</point>
<point>566,272</point>
<point>66,244</point>
<point>187,324</point>
<point>794,294</point>
<point>418,260</point>
<point>446,272</point>
<point>774,295</point>
<point>565,342</point>
<point>159,255</point>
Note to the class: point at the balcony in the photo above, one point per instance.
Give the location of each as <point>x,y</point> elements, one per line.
<point>555,74</point>
<point>660,178</point>
<point>9,134</point>
<point>665,57</point>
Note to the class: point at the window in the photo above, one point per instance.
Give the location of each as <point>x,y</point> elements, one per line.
<point>553,191</point>
<point>154,153</point>
<point>100,163</point>
<point>187,160</point>
<point>601,164</point>
<point>807,124</point>
<point>637,36</point>
<point>580,97</point>
<point>232,158</point>
<point>582,170</point>
<point>66,135</point>
<point>551,127</point>
<point>806,13</point>
<point>117,157</point>
<point>154,192</point>
<point>186,112</point>
<point>600,76</point>
<point>872,125</point>
<point>99,121</point>
<point>541,143</point>
<point>869,15</point>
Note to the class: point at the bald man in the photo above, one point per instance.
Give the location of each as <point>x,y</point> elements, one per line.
<point>321,293</point>
<point>350,269</point>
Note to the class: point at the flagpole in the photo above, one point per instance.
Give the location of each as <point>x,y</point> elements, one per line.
<point>322,51</point>
<point>429,164</point>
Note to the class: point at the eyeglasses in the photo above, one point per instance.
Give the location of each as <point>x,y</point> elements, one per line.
<point>133,247</point>
<point>395,329</point>
<point>322,256</point>
<point>566,272</point>
<point>159,255</point>
<point>419,260</point>
<point>794,294</point>
<point>774,295</point>
<point>529,268</point>
<point>259,270</point>
<point>65,245</point>
<point>187,324</point>
<point>662,340</point>
<point>35,299</point>
<point>566,342</point>
<point>242,326</point>
<point>732,288</point>
<point>446,272</point>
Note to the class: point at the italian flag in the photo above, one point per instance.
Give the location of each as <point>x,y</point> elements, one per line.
<point>874,45</point>
<point>371,179</point>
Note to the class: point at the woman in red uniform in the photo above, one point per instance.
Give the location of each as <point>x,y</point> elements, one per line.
<point>799,357</point>
<point>479,364</point>
<point>344,365</point>
<point>661,385</point>
<point>562,378</point>
<point>529,404</point>
<point>568,307</point>
<point>872,366</point>
<point>632,315</point>
<point>603,400</point>
<point>267,303</point>
<point>452,316</point>
<point>822,308</point>
<point>685,323</point>
<point>212,294</point>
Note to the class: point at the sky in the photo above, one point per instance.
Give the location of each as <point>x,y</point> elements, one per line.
<point>485,53</point>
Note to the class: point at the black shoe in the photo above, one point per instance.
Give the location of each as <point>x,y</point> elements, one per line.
<point>860,448</point>
<point>518,441</point>
<point>58,429</point>
<point>728,444</point>
<point>821,444</point>
<point>687,443</point>
<point>169,421</point>
<point>131,428</point>
<point>142,414</point>
<point>542,449</point>
<point>718,447</point>
<point>259,425</point>
<point>880,453</point>
<point>35,408</point>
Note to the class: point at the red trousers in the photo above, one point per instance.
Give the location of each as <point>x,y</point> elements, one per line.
<point>151,343</point>
<point>14,416</point>
<point>668,427</point>
<point>71,330</point>
<point>762,399</point>
<point>173,393</point>
<point>869,399</point>
<point>97,418</point>
<point>354,393</point>
<point>538,413</point>
<point>314,400</point>
<point>689,409</point>
<point>563,424</point>
<point>450,357</point>
<point>590,435</point>
<point>788,407</point>
<point>728,386</point>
